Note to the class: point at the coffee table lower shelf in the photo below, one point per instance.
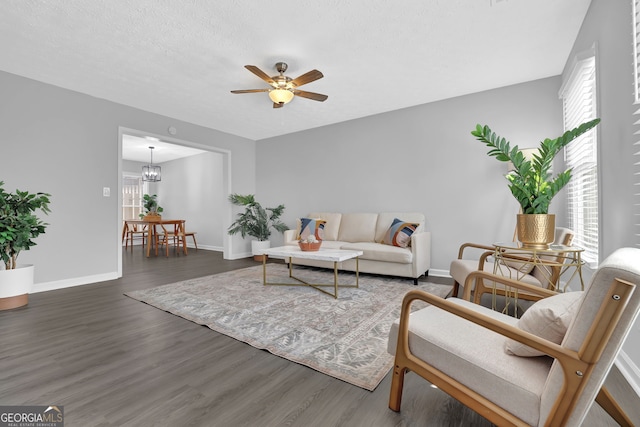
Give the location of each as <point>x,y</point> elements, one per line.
<point>333,255</point>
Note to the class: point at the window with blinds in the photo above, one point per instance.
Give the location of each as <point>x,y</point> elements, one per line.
<point>579,105</point>
<point>636,143</point>
<point>132,192</point>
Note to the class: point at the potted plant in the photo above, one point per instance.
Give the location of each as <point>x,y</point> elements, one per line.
<point>18,227</point>
<point>531,182</point>
<point>151,208</point>
<point>257,222</point>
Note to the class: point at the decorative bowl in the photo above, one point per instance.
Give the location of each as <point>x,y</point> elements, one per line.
<point>310,247</point>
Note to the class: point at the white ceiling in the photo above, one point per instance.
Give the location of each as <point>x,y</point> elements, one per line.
<point>137,149</point>
<point>181,58</point>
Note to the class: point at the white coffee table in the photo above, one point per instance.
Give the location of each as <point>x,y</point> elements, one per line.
<point>332,255</point>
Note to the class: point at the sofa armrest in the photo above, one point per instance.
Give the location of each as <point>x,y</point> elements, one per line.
<point>421,250</point>
<point>289,236</point>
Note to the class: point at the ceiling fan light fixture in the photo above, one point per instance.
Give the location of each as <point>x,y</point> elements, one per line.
<point>281,96</point>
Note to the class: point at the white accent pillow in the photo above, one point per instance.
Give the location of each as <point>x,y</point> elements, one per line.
<point>548,318</point>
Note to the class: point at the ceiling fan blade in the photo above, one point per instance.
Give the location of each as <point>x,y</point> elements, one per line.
<point>250,90</point>
<point>311,95</point>
<point>278,104</point>
<point>258,72</point>
<point>309,77</point>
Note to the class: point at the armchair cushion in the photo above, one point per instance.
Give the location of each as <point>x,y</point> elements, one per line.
<point>548,318</point>
<point>515,383</point>
<point>461,268</point>
<point>521,266</point>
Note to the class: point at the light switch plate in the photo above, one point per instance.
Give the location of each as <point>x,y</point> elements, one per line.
<point>106,191</point>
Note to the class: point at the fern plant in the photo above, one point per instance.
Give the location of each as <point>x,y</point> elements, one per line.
<point>256,221</point>
<point>531,182</point>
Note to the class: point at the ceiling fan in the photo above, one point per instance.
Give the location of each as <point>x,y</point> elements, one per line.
<point>284,88</point>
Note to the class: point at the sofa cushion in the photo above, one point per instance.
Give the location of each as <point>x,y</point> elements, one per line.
<point>332,225</point>
<point>399,233</point>
<point>548,318</point>
<point>358,227</point>
<point>332,244</point>
<point>380,252</point>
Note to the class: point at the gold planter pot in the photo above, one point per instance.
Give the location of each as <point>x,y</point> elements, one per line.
<point>536,231</point>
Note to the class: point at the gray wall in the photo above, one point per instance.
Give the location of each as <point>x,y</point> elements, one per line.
<point>67,144</point>
<point>420,159</point>
<point>192,188</point>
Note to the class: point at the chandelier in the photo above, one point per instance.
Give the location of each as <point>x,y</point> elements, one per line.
<point>150,172</point>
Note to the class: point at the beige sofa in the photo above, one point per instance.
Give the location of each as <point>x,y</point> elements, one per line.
<point>364,232</point>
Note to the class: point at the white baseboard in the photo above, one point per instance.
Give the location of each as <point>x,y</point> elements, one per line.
<point>439,273</point>
<point>206,247</point>
<point>629,370</point>
<point>241,255</point>
<point>76,281</point>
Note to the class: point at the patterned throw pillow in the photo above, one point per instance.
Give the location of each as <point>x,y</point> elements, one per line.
<point>399,234</point>
<point>311,226</point>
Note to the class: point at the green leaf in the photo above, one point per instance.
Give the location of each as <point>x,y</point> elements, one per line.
<point>532,183</point>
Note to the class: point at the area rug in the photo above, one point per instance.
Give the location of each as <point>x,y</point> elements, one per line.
<point>345,338</point>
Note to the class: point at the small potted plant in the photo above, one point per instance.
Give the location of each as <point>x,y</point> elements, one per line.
<point>152,210</point>
<point>531,181</point>
<point>257,222</point>
<point>18,227</point>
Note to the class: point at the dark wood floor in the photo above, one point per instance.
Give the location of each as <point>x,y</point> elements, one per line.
<point>113,361</point>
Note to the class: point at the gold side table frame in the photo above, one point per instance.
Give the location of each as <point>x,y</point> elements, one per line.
<point>562,257</point>
<point>290,253</point>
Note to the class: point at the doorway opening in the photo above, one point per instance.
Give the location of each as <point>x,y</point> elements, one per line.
<point>195,184</point>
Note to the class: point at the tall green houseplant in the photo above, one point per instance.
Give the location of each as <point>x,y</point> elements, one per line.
<point>19,224</point>
<point>256,221</point>
<point>531,182</point>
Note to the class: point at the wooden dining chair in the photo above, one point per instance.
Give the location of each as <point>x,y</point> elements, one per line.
<point>192,234</point>
<point>135,231</point>
<point>171,233</point>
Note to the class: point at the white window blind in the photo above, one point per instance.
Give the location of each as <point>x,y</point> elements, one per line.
<point>636,143</point>
<point>581,155</point>
<point>636,50</point>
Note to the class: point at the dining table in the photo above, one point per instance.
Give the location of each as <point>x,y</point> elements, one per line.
<point>152,224</point>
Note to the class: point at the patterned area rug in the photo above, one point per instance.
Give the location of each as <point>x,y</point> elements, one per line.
<point>344,338</point>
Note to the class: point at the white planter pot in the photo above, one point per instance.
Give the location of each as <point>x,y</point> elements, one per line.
<point>258,247</point>
<point>15,286</point>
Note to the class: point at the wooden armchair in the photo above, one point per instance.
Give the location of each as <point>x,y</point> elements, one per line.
<point>541,275</point>
<point>460,347</point>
